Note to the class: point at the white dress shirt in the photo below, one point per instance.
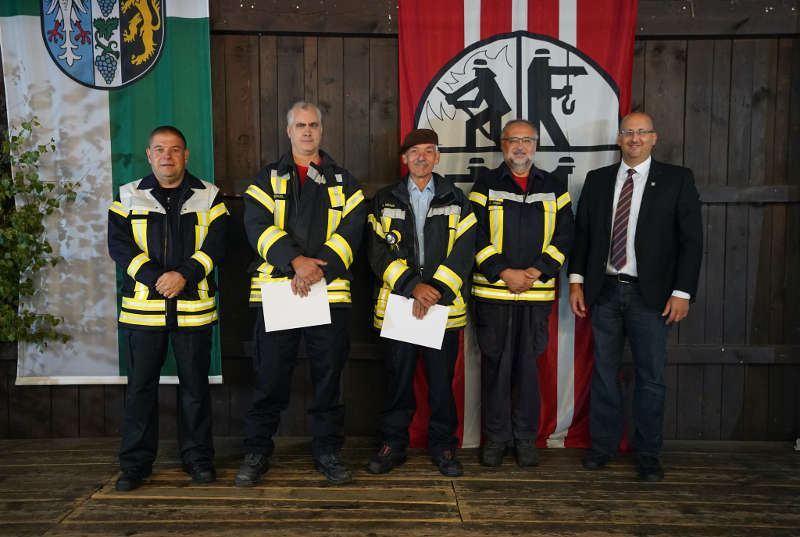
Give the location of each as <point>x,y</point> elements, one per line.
<point>639,183</point>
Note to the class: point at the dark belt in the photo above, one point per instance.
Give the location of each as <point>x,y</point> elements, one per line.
<point>622,278</point>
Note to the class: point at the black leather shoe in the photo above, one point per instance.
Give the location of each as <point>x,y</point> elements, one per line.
<point>386,459</point>
<point>448,464</point>
<point>526,453</point>
<point>333,468</point>
<point>131,479</point>
<point>649,468</point>
<point>251,470</point>
<point>595,460</point>
<point>201,472</point>
<point>492,453</point>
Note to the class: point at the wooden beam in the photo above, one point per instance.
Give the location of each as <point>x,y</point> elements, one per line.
<point>749,194</point>
<point>656,18</point>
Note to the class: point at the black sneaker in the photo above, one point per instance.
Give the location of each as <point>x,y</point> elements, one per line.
<point>448,464</point>
<point>526,453</point>
<point>333,468</point>
<point>386,459</point>
<point>649,468</point>
<point>251,470</point>
<point>201,472</point>
<point>131,479</point>
<point>492,453</point>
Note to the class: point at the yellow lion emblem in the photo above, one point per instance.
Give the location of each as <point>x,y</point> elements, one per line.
<point>142,25</point>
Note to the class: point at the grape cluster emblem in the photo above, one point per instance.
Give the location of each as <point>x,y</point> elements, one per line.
<point>104,44</point>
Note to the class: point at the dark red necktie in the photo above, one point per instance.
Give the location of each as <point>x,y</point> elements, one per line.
<point>619,235</point>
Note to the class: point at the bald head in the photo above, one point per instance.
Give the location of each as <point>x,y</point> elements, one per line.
<point>636,138</point>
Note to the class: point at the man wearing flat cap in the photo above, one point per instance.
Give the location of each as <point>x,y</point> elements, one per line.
<point>421,246</point>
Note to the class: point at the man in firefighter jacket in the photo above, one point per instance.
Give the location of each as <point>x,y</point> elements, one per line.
<point>166,232</point>
<point>421,245</point>
<point>304,216</point>
<point>525,228</point>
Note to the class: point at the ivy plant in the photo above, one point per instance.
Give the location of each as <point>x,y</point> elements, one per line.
<point>25,202</point>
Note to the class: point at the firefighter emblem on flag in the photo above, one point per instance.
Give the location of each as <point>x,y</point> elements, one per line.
<point>572,100</point>
<point>104,44</point>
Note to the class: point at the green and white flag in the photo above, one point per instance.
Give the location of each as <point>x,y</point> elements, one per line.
<point>100,75</point>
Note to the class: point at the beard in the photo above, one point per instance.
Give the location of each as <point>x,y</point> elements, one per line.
<point>519,163</point>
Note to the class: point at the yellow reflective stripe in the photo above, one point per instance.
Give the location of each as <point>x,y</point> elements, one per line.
<point>279,186</point>
<point>339,285</point>
<point>562,200</point>
<point>202,258</point>
<point>268,238</point>
<point>265,268</point>
<point>549,222</point>
<point>143,305</point>
<point>465,224</point>
<point>480,280</point>
<point>484,254</point>
<point>200,234</point>
<point>202,219</point>
<point>262,197</point>
<point>445,275</point>
<point>139,228</point>
<point>196,305</point>
<point>380,306</point>
<point>393,272</point>
<point>197,320</point>
<point>342,249</point>
<point>136,264</point>
<point>202,288</point>
<point>478,198</point>
<point>505,294</point>
<point>376,226</point>
<point>117,207</point>
<point>452,224</point>
<point>496,226</point>
<point>140,291</point>
<point>353,201</point>
<point>334,217</point>
<point>218,210</point>
<point>553,252</point>
<point>141,319</point>
<point>336,194</point>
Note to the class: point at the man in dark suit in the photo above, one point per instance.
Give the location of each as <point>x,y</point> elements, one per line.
<point>635,263</point>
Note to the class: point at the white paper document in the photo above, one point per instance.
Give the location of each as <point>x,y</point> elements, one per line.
<point>284,310</point>
<point>399,323</point>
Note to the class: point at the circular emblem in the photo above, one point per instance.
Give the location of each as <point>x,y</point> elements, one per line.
<point>573,102</point>
<point>391,238</point>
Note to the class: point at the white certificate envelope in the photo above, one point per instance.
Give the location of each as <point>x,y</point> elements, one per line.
<point>400,324</point>
<point>284,310</point>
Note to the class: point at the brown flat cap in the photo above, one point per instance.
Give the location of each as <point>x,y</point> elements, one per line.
<point>419,136</point>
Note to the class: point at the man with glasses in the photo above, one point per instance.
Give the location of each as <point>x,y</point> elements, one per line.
<point>525,230</point>
<point>635,264</point>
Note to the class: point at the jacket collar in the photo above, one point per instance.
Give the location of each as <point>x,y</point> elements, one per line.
<point>286,163</point>
<point>505,174</point>
<point>443,189</point>
<point>189,181</point>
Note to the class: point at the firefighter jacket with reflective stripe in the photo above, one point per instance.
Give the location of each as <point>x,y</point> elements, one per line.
<point>323,219</point>
<point>153,230</point>
<point>449,246</point>
<point>520,230</point>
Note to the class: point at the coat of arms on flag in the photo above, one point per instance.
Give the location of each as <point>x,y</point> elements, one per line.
<point>104,44</point>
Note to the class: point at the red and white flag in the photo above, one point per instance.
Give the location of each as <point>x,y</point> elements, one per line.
<point>469,66</point>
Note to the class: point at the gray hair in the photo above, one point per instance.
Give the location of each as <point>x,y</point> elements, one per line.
<point>524,122</point>
<point>302,105</point>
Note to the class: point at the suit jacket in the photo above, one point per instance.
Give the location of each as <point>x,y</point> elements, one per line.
<point>669,233</point>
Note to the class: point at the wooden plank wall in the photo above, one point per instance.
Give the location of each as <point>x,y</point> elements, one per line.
<point>729,108</point>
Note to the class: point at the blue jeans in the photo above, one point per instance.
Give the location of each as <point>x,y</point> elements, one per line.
<point>619,313</point>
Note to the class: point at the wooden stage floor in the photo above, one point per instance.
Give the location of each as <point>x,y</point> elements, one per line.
<point>66,488</point>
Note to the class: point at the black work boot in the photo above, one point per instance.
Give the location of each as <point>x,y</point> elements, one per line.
<point>492,453</point>
<point>386,459</point>
<point>333,468</point>
<point>251,470</point>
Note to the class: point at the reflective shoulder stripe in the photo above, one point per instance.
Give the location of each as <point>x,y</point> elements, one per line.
<point>478,198</point>
<point>262,197</point>
<point>562,200</point>
<point>466,223</point>
<point>444,211</point>
<point>336,195</point>
<point>542,196</point>
<point>136,263</point>
<point>218,210</point>
<point>315,176</point>
<point>394,214</point>
<point>353,201</point>
<point>117,207</point>
<point>279,182</point>
<point>521,198</point>
<point>376,226</point>
<point>202,258</point>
